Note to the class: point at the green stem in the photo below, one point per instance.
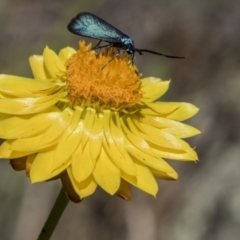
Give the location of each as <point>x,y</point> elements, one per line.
<point>54,216</point>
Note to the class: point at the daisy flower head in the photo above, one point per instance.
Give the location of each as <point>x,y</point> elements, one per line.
<point>90,120</point>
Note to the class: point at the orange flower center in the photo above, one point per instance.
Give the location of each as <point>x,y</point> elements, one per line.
<point>99,79</point>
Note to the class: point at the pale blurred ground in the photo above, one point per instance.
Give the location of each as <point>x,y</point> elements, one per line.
<point>204,204</point>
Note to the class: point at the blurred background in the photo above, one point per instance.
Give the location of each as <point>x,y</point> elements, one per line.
<point>204,204</point>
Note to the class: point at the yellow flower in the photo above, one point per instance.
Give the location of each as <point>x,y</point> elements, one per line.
<point>92,122</point>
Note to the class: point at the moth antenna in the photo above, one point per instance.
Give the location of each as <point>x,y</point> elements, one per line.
<point>140,51</point>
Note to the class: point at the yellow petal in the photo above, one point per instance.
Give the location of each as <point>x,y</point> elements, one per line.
<point>135,138</point>
<point>144,179</point>
<point>118,138</point>
<point>164,144</point>
<point>70,139</point>
<point>41,169</point>
<point>21,106</point>
<point>52,63</point>
<point>161,137</point>
<point>32,126</point>
<point>5,149</point>
<point>117,134</point>
<point>88,124</point>
<point>106,122</point>
<point>174,144</point>
<point>4,116</point>
<point>82,164</point>
<point>85,188</point>
<point>157,108</point>
<point>50,137</point>
<point>121,159</point>
<point>36,63</point>
<point>153,88</point>
<point>124,190</point>
<point>156,163</point>
<point>183,112</point>
<point>124,164</point>
<point>183,155</point>
<point>106,174</point>
<point>7,124</point>
<point>29,88</point>
<point>175,128</point>
<point>7,153</point>
<point>96,137</point>
<point>29,162</point>
<point>163,175</point>
<point>66,53</point>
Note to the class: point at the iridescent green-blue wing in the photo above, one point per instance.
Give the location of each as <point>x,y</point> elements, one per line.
<point>89,25</point>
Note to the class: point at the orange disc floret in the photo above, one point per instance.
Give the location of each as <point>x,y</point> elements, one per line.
<point>99,79</point>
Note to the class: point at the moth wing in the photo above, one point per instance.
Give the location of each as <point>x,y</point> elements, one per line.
<point>89,25</point>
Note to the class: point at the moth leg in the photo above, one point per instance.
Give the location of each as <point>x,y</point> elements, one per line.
<point>97,46</point>
<point>133,63</point>
<point>105,46</point>
<point>100,47</point>
<point>118,53</point>
<point>132,59</point>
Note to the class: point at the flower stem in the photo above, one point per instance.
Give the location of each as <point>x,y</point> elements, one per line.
<point>54,216</point>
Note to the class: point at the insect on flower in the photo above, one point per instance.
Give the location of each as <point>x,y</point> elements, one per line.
<point>89,25</point>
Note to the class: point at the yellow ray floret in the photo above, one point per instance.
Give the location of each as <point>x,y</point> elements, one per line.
<point>89,119</point>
